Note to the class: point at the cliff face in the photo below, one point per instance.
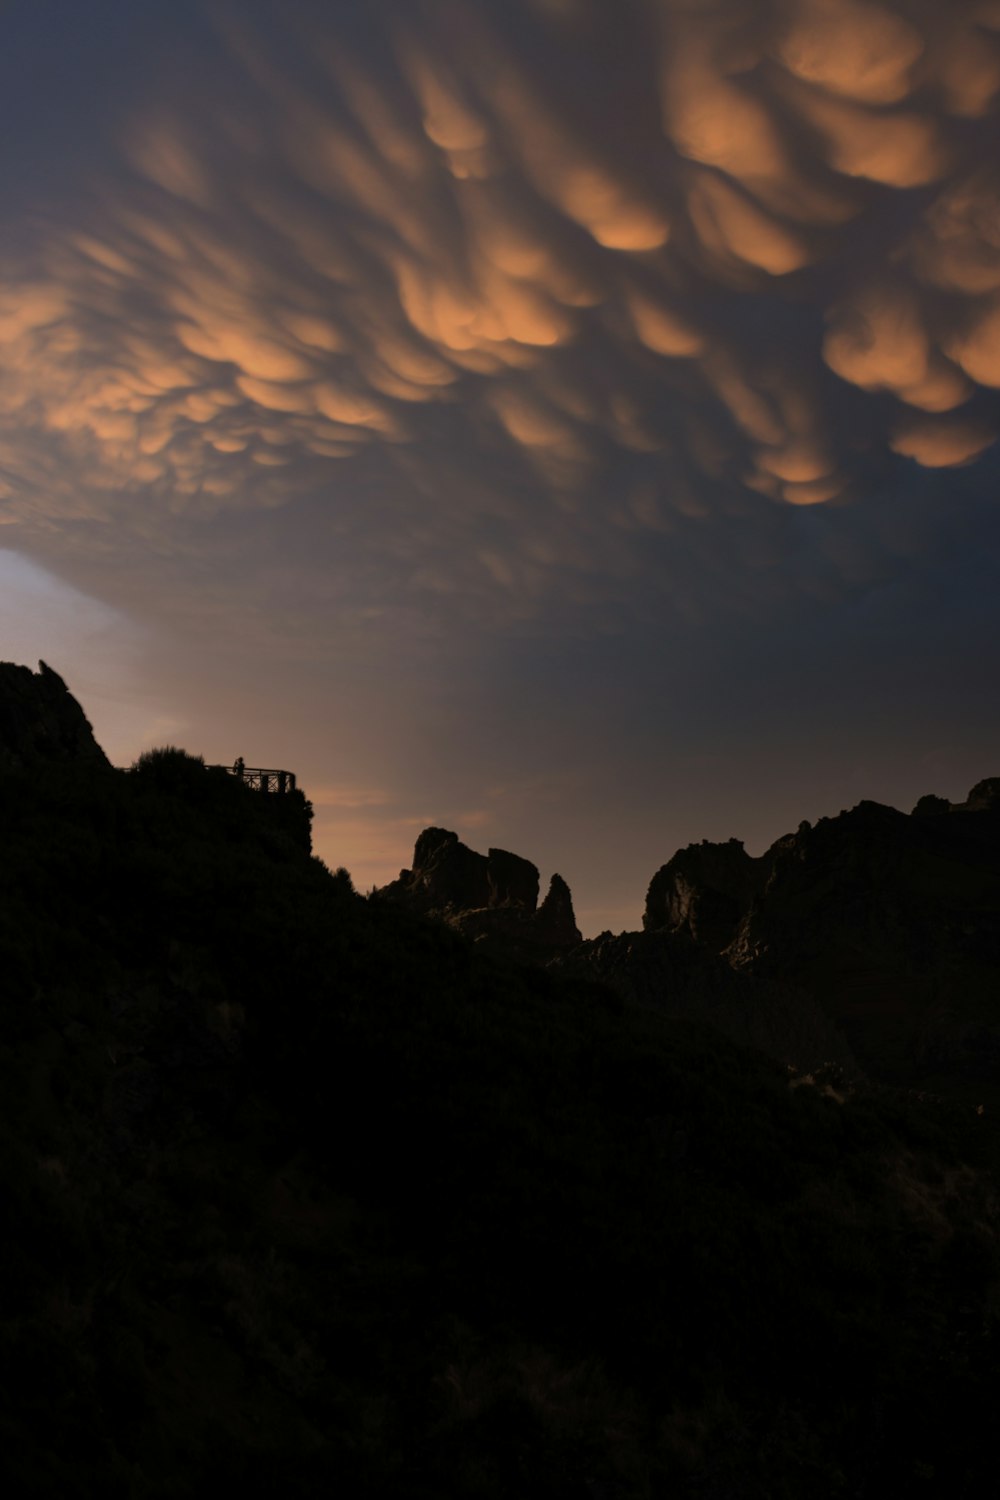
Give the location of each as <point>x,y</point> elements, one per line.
<point>448,874</point>
<point>704,891</point>
<point>871,939</point>
<point>491,898</point>
<point>892,923</point>
<point>40,720</point>
<point>984,797</point>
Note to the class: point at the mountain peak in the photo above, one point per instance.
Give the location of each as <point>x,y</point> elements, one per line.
<point>40,720</point>
<point>492,897</point>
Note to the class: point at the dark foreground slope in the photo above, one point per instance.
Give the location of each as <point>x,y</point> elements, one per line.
<point>302,1192</point>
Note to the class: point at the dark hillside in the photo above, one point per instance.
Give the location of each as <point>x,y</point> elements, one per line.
<point>304,1192</point>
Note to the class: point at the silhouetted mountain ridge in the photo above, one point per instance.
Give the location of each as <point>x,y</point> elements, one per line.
<point>870,939</point>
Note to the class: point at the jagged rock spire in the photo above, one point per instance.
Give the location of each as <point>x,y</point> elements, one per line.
<point>40,720</point>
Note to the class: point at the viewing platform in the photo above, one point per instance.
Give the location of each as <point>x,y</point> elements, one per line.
<point>257,778</point>
<point>260,780</point>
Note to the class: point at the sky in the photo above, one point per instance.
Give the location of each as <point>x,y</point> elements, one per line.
<point>568,423</point>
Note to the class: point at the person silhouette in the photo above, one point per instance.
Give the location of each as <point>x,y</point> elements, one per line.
<point>238,768</point>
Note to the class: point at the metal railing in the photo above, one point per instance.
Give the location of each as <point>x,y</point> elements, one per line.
<point>260,780</point>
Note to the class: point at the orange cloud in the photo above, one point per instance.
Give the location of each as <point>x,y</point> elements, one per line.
<point>234,342</point>
<point>29,306</point>
<point>969,73</point>
<point>942,444</point>
<point>598,197</point>
<point>715,122</point>
<point>731,224</point>
<point>159,152</point>
<point>579,259</point>
<point>897,148</point>
<point>531,423</point>
<point>798,462</point>
<point>448,120</point>
<point>942,388</point>
<point>957,247</point>
<point>977,347</point>
<point>753,410</point>
<point>315,331</point>
<point>661,329</point>
<point>275,396</point>
<point>351,408</point>
<point>813,492</point>
<point>863,52</point>
<point>878,340</point>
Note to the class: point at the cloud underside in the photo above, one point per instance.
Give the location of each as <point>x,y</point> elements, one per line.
<point>544,273</point>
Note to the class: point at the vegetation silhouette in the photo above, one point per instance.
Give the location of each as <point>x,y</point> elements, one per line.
<point>306,1193</point>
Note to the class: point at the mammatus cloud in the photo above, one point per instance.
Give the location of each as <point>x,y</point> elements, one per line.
<point>524,287</point>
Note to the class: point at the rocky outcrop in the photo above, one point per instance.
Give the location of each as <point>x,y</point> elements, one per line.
<point>555,924</point>
<point>449,876</point>
<point>874,887</point>
<point>931,806</point>
<point>40,721</point>
<point>492,898</point>
<point>984,797</point>
<point>891,923</point>
<point>512,881</point>
<point>871,939</point>
<point>704,891</point>
<point>445,874</point>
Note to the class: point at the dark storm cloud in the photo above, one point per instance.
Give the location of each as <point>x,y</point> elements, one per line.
<point>547,418</point>
<point>547,300</point>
